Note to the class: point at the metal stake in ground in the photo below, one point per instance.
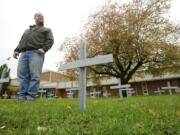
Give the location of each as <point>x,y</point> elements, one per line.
<point>82,64</point>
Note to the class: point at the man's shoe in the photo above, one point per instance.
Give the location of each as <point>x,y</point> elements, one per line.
<point>30,98</point>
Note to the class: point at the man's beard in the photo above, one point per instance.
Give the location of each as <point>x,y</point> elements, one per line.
<point>40,23</point>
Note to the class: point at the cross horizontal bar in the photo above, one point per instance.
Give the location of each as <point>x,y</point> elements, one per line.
<point>126,89</point>
<point>172,87</point>
<point>72,89</point>
<point>42,91</point>
<point>3,80</point>
<point>120,86</point>
<point>87,62</point>
<point>94,92</point>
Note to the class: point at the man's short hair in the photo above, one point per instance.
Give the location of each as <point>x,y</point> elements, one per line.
<point>37,14</point>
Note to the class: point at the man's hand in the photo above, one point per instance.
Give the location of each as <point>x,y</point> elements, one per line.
<point>15,55</point>
<point>41,51</point>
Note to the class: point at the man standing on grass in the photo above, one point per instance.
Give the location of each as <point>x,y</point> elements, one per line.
<point>35,42</point>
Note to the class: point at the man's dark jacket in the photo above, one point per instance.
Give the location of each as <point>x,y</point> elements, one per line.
<point>34,38</point>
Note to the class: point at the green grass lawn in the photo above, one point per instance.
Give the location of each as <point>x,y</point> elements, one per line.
<point>152,115</point>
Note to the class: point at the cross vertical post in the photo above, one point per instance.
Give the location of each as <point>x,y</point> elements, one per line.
<point>120,91</point>
<point>82,79</point>
<point>170,90</point>
<point>3,78</point>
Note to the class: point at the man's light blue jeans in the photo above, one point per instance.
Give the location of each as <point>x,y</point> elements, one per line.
<point>29,74</point>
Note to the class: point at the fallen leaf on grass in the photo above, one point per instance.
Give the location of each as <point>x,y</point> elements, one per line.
<point>3,127</point>
<point>148,110</point>
<point>178,114</point>
<point>145,109</point>
<point>41,129</point>
<point>82,125</point>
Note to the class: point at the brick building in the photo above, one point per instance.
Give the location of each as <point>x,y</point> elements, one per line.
<point>56,84</point>
<point>51,76</point>
<point>146,85</point>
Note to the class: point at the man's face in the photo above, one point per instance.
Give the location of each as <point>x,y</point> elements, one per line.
<point>39,19</point>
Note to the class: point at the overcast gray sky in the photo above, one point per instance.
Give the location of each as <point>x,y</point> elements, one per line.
<point>65,18</point>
